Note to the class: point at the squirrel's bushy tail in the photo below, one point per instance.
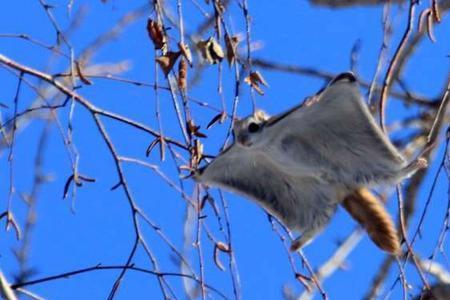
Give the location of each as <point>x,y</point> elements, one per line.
<point>370,213</point>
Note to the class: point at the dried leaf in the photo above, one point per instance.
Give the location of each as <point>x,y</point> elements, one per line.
<point>214,120</point>
<point>422,17</point>
<point>215,50</point>
<point>304,280</point>
<point>167,61</point>
<point>254,80</point>
<point>182,75</point>
<point>191,127</point>
<point>194,129</point>
<point>199,149</point>
<point>159,140</point>
<point>203,48</point>
<point>186,52</point>
<point>430,24</point>
<point>67,185</point>
<point>426,17</point>
<point>200,134</point>
<point>257,77</point>
<point>196,154</point>
<point>151,146</point>
<point>86,178</point>
<point>216,259</point>
<point>435,10</point>
<point>203,202</point>
<point>231,43</point>
<point>211,50</point>
<point>223,247</point>
<point>156,34</point>
<point>78,179</point>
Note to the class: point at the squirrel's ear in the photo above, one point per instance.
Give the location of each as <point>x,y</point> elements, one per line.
<point>261,115</point>
<point>343,77</point>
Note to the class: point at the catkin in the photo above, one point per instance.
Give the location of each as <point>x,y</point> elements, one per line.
<point>371,214</point>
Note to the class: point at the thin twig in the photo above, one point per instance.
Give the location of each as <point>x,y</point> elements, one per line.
<point>393,69</point>
<point>101,267</point>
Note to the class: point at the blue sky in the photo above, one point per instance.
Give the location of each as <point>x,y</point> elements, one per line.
<point>100,230</point>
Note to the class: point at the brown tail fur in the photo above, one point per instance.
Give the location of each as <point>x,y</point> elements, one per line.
<point>370,213</point>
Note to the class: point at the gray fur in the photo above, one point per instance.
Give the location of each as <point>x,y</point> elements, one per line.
<point>299,165</point>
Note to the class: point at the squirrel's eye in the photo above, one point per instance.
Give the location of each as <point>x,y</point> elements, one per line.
<point>253,127</point>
